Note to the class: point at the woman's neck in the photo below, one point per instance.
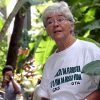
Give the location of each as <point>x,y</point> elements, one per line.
<point>65,44</point>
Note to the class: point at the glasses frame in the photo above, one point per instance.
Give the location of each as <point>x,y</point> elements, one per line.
<point>59,20</point>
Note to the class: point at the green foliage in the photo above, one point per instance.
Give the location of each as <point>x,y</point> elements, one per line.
<point>89,16</point>
<point>36,40</point>
<point>86,14</point>
<point>1,22</point>
<point>20,63</point>
<point>93,25</point>
<point>3,3</point>
<point>92,68</point>
<point>44,50</point>
<point>3,53</point>
<point>25,39</point>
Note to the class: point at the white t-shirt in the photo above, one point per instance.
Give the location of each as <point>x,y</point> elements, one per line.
<point>62,78</point>
<point>35,95</point>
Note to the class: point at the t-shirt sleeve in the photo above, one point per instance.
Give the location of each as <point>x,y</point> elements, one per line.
<point>43,88</point>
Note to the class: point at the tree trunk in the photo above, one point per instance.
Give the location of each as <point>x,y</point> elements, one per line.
<point>15,39</point>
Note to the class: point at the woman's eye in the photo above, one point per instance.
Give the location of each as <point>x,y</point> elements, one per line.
<point>60,20</point>
<point>50,22</point>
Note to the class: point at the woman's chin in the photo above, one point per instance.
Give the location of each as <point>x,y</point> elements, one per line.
<point>58,37</point>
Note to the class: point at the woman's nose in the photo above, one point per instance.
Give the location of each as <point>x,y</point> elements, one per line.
<point>56,23</point>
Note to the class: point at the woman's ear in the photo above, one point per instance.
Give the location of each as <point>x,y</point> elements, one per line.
<point>72,27</point>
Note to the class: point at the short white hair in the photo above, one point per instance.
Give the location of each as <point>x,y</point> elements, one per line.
<point>61,7</point>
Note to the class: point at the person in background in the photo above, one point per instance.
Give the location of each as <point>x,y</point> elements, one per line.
<point>62,77</point>
<point>11,87</point>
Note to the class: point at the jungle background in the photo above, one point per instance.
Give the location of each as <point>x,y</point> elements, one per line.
<point>24,43</point>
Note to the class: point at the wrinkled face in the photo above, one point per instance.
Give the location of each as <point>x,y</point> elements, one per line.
<point>58,26</point>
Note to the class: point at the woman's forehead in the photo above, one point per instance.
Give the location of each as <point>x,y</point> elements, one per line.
<point>54,14</point>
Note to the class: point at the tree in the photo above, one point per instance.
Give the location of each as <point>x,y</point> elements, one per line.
<point>20,9</point>
<point>15,39</point>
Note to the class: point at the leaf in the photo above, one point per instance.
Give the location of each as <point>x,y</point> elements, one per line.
<point>94,25</point>
<point>89,16</point>
<point>92,68</point>
<point>44,50</point>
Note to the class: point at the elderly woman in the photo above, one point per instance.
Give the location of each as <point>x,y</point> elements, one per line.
<point>62,78</point>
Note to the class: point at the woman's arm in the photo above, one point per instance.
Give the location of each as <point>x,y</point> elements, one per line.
<point>93,96</point>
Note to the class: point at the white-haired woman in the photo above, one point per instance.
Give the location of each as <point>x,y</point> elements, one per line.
<point>62,78</point>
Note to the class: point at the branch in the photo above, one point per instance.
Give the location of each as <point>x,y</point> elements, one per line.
<point>9,19</point>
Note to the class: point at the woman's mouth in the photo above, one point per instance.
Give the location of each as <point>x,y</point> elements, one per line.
<point>58,31</point>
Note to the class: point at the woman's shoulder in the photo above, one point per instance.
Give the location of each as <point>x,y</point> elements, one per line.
<point>87,44</point>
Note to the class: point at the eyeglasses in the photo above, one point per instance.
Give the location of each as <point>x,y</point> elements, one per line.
<point>51,22</point>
